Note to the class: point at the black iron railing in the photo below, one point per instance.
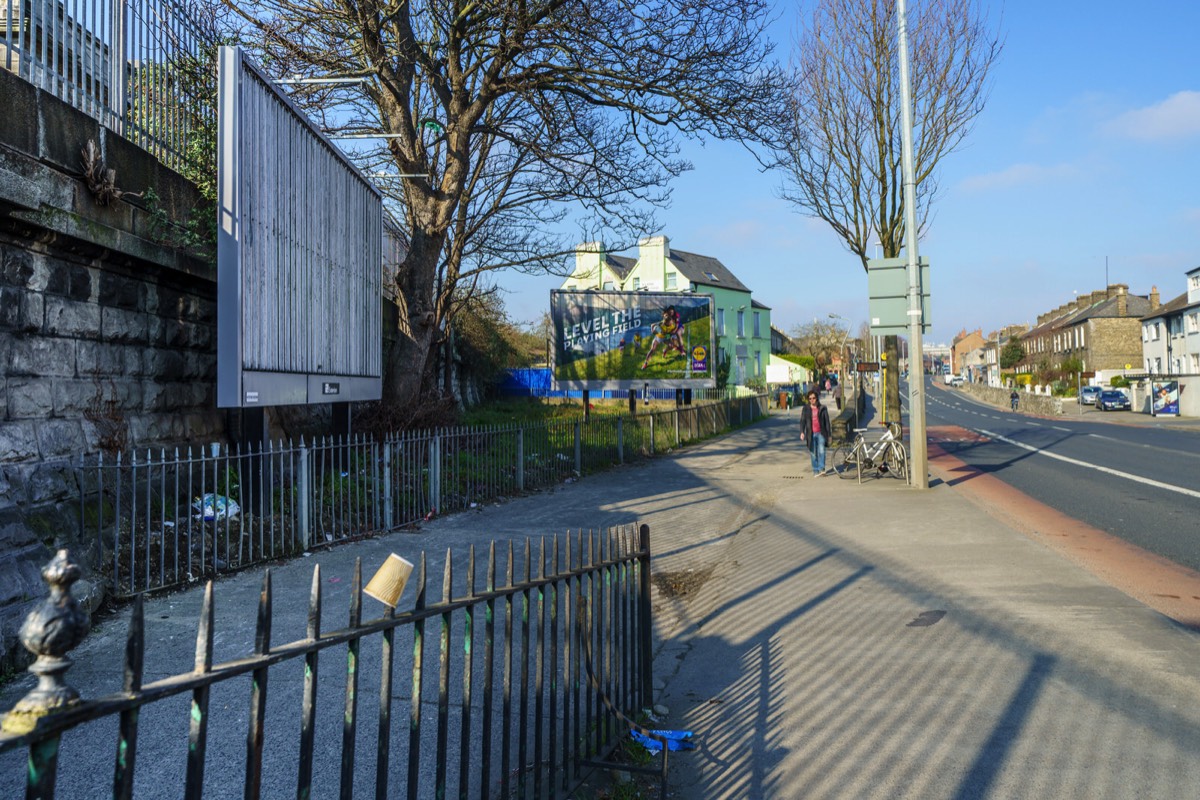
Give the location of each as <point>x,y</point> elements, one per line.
<point>524,674</point>
<point>169,518</point>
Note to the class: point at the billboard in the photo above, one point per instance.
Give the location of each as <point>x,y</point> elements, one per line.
<point>299,254</point>
<point>1164,398</point>
<point>624,340</point>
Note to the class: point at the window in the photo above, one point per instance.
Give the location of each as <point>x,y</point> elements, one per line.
<point>712,277</point>
<point>1192,324</point>
<point>720,322</point>
<point>757,327</point>
<point>1155,332</point>
<point>608,286</point>
<point>1145,333</point>
<point>1195,362</point>
<point>741,323</point>
<point>637,284</point>
<point>757,363</point>
<point>671,280</point>
<point>1194,281</point>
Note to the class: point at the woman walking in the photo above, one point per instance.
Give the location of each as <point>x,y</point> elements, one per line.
<point>814,431</point>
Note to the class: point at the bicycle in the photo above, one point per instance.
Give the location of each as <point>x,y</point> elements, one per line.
<point>1016,401</point>
<point>886,456</point>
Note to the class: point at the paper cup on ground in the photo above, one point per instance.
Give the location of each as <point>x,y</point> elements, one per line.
<point>387,584</point>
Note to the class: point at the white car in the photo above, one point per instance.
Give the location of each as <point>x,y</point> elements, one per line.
<point>956,380</point>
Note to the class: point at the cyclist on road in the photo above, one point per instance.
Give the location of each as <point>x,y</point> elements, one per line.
<point>1015,399</point>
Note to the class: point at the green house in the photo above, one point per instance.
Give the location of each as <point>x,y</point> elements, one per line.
<point>743,324</point>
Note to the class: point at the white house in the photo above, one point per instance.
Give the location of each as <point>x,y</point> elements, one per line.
<point>1171,344</point>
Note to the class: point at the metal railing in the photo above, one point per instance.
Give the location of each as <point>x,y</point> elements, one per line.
<point>164,519</point>
<point>534,674</point>
<point>141,67</point>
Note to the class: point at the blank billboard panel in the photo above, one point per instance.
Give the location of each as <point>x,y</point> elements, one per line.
<point>299,254</point>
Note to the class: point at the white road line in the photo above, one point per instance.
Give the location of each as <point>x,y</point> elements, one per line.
<point>1097,467</point>
<point>1034,424</point>
<point>1057,428</point>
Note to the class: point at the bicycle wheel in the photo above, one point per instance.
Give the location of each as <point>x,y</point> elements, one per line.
<point>896,459</point>
<point>847,460</point>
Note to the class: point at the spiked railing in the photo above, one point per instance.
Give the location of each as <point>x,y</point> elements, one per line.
<point>534,738</point>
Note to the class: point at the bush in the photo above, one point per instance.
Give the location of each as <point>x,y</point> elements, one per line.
<point>1119,382</point>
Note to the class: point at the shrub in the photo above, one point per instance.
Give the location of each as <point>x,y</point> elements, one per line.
<point>1119,382</point>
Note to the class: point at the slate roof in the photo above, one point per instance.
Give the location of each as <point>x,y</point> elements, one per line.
<point>620,265</point>
<point>705,270</point>
<point>1176,304</point>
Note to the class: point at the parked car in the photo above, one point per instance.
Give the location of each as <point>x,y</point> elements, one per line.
<point>1088,395</point>
<point>1111,399</point>
<point>956,380</point>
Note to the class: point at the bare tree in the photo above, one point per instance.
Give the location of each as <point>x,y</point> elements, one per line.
<point>843,154</point>
<point>822,340</point>
<point>503,117</point>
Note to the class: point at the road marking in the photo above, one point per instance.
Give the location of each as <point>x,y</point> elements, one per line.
<point>1068,430</point>
<point>1034,424</point>
<point>1107,470</point>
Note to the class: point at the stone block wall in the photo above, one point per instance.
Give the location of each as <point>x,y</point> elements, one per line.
<point>1115,342</point>
<point>107,336</point>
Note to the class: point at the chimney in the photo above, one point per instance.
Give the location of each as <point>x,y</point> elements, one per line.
<point>1122,301</point>
<point>654,250</point>
<point>1154,301</point>
<point>589,257</point>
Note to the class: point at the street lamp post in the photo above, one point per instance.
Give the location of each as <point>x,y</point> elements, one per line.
<point>916,388</point>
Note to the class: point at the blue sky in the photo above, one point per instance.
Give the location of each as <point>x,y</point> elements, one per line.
<point>1089,148</point>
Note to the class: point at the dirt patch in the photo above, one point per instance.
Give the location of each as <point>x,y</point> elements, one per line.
<point>682,583</point>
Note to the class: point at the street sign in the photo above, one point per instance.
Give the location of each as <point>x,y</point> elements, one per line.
<point>868,366</point>
<point>887,293</point>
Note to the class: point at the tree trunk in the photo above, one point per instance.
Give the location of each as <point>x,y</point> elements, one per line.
<point>891,400</point>
<point>408,374</point>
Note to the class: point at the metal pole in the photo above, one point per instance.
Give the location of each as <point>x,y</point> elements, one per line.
<point>916,385</point>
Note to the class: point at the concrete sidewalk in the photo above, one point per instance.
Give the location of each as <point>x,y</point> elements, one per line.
<point>875,641</point>
<point>834,640</point>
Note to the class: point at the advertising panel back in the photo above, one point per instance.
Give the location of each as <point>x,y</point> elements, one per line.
<point>625,340</point>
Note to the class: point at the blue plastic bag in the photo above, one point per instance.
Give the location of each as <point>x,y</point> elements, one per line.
<point>676,740</point>
<point>215,506</point>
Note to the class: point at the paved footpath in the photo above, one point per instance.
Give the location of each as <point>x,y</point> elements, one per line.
<point>837,641</point>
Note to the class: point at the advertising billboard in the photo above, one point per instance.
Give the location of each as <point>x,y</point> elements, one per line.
<point>299,254</point>
<point>1165,398</point>
<point>624,340</point>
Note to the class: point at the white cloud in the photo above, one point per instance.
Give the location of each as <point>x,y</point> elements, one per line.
<point>1019,175</point>
<point>1177,117</point>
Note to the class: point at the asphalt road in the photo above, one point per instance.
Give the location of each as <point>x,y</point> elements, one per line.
<point>1140,484</point>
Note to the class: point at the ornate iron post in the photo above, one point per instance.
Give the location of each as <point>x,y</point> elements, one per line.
<point>50,631</point>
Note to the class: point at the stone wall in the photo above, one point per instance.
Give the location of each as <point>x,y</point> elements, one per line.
<point>1114,343</point>
<point>107,336</point>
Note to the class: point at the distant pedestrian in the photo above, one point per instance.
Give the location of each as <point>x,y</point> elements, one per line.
<point>814,431</point>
